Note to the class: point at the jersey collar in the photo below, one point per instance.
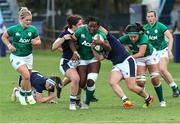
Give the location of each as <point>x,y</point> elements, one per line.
<point>71,31</point>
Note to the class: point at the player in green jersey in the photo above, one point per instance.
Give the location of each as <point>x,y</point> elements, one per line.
<point>146,57</point>
<point>89,66</point>
<point>23,37</point>
<point>157,32</point>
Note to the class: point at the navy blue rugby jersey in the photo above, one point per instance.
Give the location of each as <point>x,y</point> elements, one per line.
<point>67,53</point>
<point>118,53</point>
<point>38,81</point>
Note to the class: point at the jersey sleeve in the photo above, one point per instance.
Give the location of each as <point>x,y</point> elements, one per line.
<point>61,34</point>
<point>35,32</point>
<point>103,35</point>
<point>11,30</point>
<point>162,27</point>
<point>78,32</point>
<point>144,40</point>
<point>124,39</point>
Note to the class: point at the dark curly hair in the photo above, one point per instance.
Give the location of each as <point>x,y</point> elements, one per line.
<point>92,18</point>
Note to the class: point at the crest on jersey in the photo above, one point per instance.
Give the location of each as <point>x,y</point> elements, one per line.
<point>17,34</point>
<point>155,31</point>
<point>82,35</point>
<point>29,34</point>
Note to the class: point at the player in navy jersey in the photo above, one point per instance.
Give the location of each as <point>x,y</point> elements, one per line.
<point>124,67</point>
<point>40,83</point>
<point>67,66</point>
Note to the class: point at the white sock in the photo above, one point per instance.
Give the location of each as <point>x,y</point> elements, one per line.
<point>123,98</point>
<point>173,84</point>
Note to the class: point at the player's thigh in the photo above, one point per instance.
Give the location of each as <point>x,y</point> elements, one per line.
<point>82,71</point>
<point>115,77</point>
<point>94,67</point>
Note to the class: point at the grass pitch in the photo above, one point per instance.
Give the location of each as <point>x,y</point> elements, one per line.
<point>107,110</point>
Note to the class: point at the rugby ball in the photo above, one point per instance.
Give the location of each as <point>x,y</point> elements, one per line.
<point>98,48</point>
<point>96,37</point>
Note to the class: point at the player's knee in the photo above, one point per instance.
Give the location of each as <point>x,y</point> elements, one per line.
<point>75,80</point>
<point>90,85</point>
<point>113,83</point>
<point>82,85</point>
<point>155,78</point>
<point>163,70</point>
<point>91,79</point>
<point>131,88</point>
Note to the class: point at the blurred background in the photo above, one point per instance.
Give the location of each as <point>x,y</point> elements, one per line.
<point>49,16</point>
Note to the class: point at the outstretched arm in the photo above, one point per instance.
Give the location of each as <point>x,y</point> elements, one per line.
<point>41,99</point>
<point>141,53</point>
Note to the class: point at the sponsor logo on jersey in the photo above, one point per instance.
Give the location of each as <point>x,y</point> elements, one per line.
<point>153,37</point>
<point>24,40</point>
<point>85,43</point>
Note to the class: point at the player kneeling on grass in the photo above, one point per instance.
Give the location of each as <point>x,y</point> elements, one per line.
<point>40,83</point>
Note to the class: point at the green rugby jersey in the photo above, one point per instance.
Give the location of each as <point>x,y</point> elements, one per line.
<point>84,39</point>
<point>156,35</point>
<point>21,39</point>
<point>134,46</point>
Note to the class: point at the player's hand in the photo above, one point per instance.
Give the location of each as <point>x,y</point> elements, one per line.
<point>170,55</point>
<point>67,37</point>
<point>36,41</point>
<point>60,49</point>
<point>11,48</point>
<point>75,56</point>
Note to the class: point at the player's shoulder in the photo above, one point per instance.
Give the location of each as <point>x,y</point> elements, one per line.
<point>146,26</point>
<point>82,28</point>
<point>61,34</point>
<point>14,27</point>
